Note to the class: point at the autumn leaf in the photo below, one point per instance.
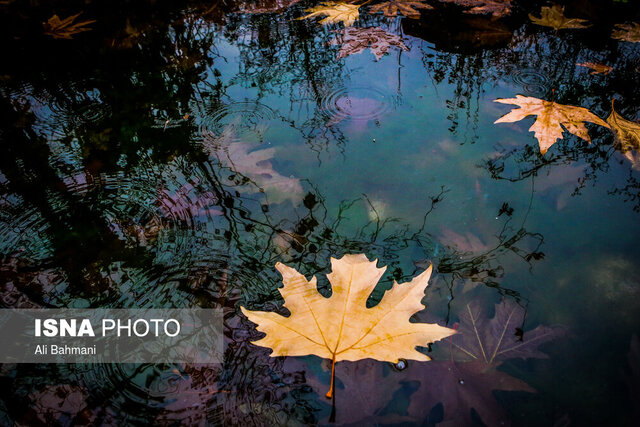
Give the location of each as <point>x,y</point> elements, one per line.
<point>597,67</point>
<point>461,387</point>
<point>366,389</point>
<point>492,341</point>
<point>554,17</point>
<point>408,8</point>
<point>266,6</point>
<point>627,32</point>
<point>335,12</point>
<point>552,119</point>
<point>627,134</point>
<point>65,28</point>
<point>255,166</point>
<point>342,327</point>
<point>355,40</point>
<point>496,8</point>
<point>458,386</point>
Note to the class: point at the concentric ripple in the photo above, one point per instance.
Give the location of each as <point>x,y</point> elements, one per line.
<point>243,115</point>
<point>533,82</point>
<point>356,103</point>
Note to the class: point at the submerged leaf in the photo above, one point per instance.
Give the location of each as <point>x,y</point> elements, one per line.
<point>627,134</point>
<point>342,327</point>
<point>366,389</point>
<point>551,119</point>
<point>255,166</point>
<point>597,67</point>
<point>65,28</point>
<point>335,12</point>
<point>494,340</point>
<point>627,32</point>
<point>407,8</point>
<point>355,40</point>
<point>496,8</point>
<point>554,17</point>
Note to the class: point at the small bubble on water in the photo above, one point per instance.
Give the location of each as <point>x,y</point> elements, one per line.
<point>401,365</point>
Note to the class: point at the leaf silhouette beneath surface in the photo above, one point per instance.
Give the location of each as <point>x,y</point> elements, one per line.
<point>554,17</point>
<point>65,28</point>
<point>335,12</point>
<point>355,40</point>
<point>627,32</point>
<point>597,67</point>
<point>408,8</point>
<point>496,8</point>
<point>365,389</point>
<point>466,243</point>
<point>342,327</point>
<point>492,341</point>
<point>627,134</point>
<point>551,119</point>
<point>255,166</point>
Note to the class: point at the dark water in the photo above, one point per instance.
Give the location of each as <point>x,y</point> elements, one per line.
<point>171,155</point>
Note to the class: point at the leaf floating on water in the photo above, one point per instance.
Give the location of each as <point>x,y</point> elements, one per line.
<point>335,12</point>
<point>597,67</point>
<point>554,17</point>
<point>496,8</point>
<point>342,327</point>
<point>552,119</point>
<point>355,40</point>
<point>495,340</point>
<point>407,8</point>
<point>627,134</point>
<point>65,28</point>
<point>627,32</point>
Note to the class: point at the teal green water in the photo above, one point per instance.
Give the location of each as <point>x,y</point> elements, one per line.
<point>172,155</point>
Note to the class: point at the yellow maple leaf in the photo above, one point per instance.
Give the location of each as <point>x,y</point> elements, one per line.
<point>335,12</point>
<point>341,327</point>
<point>407,8</point>
<point>554,17</point>
<point>65,28</point>
<point>552,118</point>
<point>627,134</point>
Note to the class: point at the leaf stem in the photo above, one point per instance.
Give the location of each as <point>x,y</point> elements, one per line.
<point>333,374</point>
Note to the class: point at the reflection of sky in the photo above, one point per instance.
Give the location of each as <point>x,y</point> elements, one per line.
<point>391,132</point>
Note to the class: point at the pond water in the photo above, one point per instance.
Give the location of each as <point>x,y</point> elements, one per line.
<point>172,154</point>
